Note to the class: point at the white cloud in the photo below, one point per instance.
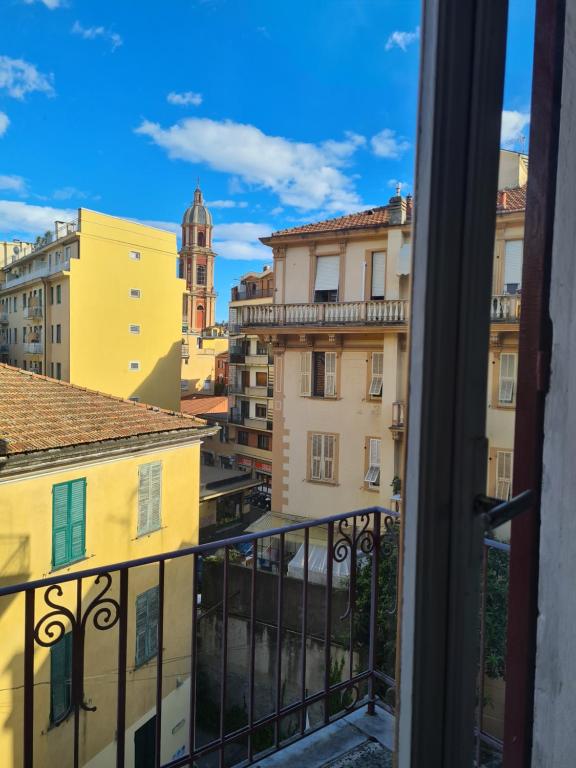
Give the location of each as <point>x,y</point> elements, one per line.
<point>226,204</point>
<point>31,220</point>
<point>67,193</point>
<point>402,40</point>
<point>19,77</point>
<point>12,183</point>
<point>304,175</point>
<point>387,144</point>
<point>4,123</point>
<point>51,4</point>
<point>276,211</point>
<point>91,33</point>
<point>514,125</point>
<point>238,241</point>
<point>246,231</point>
<point>184,99</point>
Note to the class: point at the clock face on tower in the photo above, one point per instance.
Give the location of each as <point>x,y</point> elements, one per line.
<point>197,265</point>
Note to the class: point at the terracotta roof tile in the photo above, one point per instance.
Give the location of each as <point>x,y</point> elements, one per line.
<point>197,404</point>
<point>508,201</point>
<point>38,413</point>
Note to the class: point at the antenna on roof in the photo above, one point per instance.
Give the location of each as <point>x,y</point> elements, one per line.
<point>522,140</point>
<point>398,188</point>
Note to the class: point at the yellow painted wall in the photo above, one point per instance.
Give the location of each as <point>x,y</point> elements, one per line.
<point>101,310</point>
<point>200,367</point>
<point>111,536</point>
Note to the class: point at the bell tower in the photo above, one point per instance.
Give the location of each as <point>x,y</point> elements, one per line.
<point>197,265</point>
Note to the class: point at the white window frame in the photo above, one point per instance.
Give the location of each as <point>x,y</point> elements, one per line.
<point>330,374</point>
<point>305,377</point>
<point>374,448</point>
<point>135,293</point>
<point>507,378</point>
<point>134,328</point>
<point>504,467</point>
<point>323,449</point>
<point>377,374</point>
<point>134,365</point>
<point>134,255</point>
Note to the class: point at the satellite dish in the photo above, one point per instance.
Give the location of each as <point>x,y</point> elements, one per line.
<point>16,249</point>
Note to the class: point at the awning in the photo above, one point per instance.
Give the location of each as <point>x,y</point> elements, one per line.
<point>272,520</point>
<point>317,566</point>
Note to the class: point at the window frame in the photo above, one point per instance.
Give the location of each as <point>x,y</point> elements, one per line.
<point>153,514</point>
<point>73,554</point>
<point>373,377</point>
<point>321,476</point>
<point>149,601</point>
<point>64,647</point>
<point>369,466</point>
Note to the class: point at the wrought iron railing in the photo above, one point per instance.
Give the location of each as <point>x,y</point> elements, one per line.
<point>286,630</point>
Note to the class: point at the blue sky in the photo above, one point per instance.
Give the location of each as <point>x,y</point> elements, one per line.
<point>287,111</point>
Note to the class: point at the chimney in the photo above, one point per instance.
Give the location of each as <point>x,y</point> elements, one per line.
<point>409,207</point>
<point>397,208</point>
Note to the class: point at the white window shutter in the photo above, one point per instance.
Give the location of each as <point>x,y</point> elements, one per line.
<point>328,462</point>
<point>374,453</point>
<point>513,262</point>
<point>143,497</point>
<point>155,516</point>
<point>404,259</point>
<point>141,628</point>
<point>316,457</point>
<point>330,374</point>
<point>327,273</point>
<point>378,273</point>
<point>377,378</point>
<point>305,374</point>
<point>507,382</point>
<point>503,474</point>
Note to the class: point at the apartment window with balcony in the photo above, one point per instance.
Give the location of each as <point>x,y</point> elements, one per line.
<point>323,457</point>
<point>318,374</point>
<point>61,679</point>
<point>264,442</point>
<point>373,462</point>
<point>507,378</point>
<point>513,265</point>
<point>58,294</point>
<point>201,275</point>
<point>147,612</point>
<point>261,379</point>
<point>68,522</point>
<point>149,497</point>
<point>58,334</point>
<point>261,411</point>
<point>242,437</point>
<point>378,274</point>
<point>376,375</point>
<point>327,278</point>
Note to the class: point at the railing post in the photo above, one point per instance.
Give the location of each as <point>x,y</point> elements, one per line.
<point>374,611</point>
<point>29,680</point>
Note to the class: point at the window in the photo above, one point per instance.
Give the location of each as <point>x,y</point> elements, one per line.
<point>58,334</point>
<point>503,474</point>
<point>224,434</point>
<point>513,265</point>
<point>305,374</point>
<point>261,411</point>
<point>59,371</point>
<point>134,365</point>
<point>68,252</point>
<point>149,497</point>
<point>183,385</point>
<point>323,373</point>
<point>322,457</point>
<point>58,294</point>
<point>507,382</point>
<point>24,300</point>
<point>377,377</point>
<point>15,335</point>
<point>242,437</point>
<point>24,332</point>
<point>52,370</point>
<point>61,678</point>
<point>51,294</point>
<point>201,274</point>
<point>24,364</point>
<point>147,611</point>
<point>134,293</point>
<point>327,278</point>
<point>261,379</point>
<point>264,442</point>
<point>378,274</point>
<point>201,239</point>
<point>372,477</point>
<point>134,328</point>
<point>134,255</point>
<point>68,522</point>
<point>207,458</point>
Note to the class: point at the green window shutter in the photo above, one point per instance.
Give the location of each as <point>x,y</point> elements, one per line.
<point>141,628</point>
<point>77,518</point>
<point>153,611</point>
<point>60,528</point>
<point>154,516</point>
<point>143,498</point>
<point>61,678</point>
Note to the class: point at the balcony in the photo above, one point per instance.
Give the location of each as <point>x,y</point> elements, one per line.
<point>242,293</point>
<point>397,426</point>
<point>33,348</point>
<point>4,349</point>
<point>261,360</point>
<point>256,391</point>
<point>237,356</point>
<point>19,276</point>
<point>34,311</point>
<point>505,308</point>
<point>257,423</point>
<point>261,641</point>
<point>343,313</point>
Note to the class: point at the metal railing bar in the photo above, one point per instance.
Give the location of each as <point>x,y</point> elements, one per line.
<point>158,742</point>
<point>328,620</point>
<point>122,644</point>
<point>252,651</point>
<point>304,630</point>
<point>77,671</point>
<point>224,660</point>
<point>374,608</point>
<point>193,653</point>
<point>279,607</point>
<point>29,679</point>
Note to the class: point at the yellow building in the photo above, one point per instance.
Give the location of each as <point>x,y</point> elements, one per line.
<point>88,480</point>
<point>97,303</point>
<point>338,326</point>
<point>200,358</point>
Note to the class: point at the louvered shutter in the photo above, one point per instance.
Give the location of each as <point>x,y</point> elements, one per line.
<point>327,273</point>
<point>143,498</point>
<point>503,474</point>
<point>377,378</point>
<point>316,469</point>
<point>513,263</point>
<point>507,382</point>
<point>152,628</point>
<point>404,259</point>
<point>373,473</point>
<point>305,373</point>
<point>328,457</point>
<point>77,519</point>
<point>60,678</point>
<point>330,374</point>
<point>60,527</point>
<point>378,274</point>
<point>155,495</point>
<point>141,628</point>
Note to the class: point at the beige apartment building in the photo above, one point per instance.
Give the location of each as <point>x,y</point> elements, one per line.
<point>251,378</point>
<point>10,250</point>
<point>338,325</point>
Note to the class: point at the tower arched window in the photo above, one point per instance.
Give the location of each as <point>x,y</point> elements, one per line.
<point>201,239</point>
<point>201,275</point>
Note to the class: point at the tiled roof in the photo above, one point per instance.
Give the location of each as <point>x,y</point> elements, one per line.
<point>508,201</point>
<point>196,404</point>
<point>38,413</point>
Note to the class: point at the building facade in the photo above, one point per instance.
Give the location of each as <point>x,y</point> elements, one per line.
<point>338,325</point>
<point>204,368</point>
<point>88,480</point>
<point>100,280</point>
<point>251,378</point>
<point>11,250</point>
